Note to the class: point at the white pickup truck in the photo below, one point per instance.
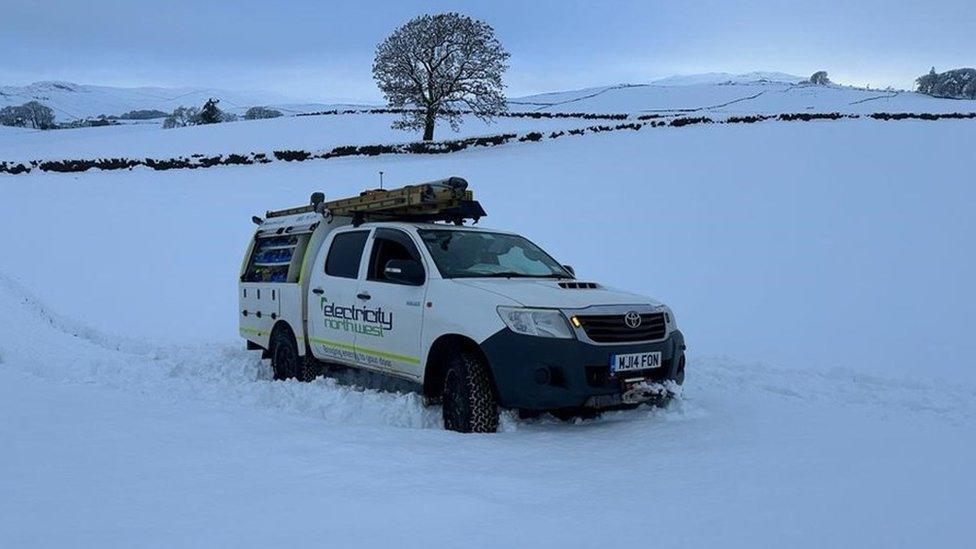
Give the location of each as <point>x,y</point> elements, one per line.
<point>477,318</point>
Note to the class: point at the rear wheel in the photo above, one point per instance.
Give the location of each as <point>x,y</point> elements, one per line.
<point>285,360</point>
<point>469,405</point>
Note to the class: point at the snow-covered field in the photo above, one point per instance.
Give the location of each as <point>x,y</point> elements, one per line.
<point>821,273</point>
<point>718,96</point>
<point>301,132</point>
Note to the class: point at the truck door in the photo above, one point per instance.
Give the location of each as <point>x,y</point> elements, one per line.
<point>334,312</point>
<point>391,340</point>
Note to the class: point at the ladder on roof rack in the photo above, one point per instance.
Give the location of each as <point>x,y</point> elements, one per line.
<point>442,200</point>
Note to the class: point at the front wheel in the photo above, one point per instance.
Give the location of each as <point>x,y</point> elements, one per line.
<point>469,404</point>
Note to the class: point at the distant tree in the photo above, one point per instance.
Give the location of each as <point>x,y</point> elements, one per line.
<point>29,115</point>
<point>181,117</point>
<point>98,122</point>
<point>926,83</point>
<point>39,116</point>
<point>210,113</point>
<point>257,113</point>
<point>819,78</point>
<point>12,116</point>
<point>954,84</point>
<point>436,65</point>
<point>143,115</point>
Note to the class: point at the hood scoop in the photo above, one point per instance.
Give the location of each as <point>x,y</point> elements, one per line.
<point>579,285</point>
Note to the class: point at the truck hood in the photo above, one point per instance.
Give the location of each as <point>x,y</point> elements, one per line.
<point>548,293</point>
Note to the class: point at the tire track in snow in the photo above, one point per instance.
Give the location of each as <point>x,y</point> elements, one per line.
<point>37,341</point>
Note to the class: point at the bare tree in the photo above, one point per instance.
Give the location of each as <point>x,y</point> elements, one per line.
<point>29,115</point>
<point>41,116</point>
<point>437,65</point>
<point>13,116</point>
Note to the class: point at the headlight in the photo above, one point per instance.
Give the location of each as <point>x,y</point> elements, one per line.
<point>535,322</point>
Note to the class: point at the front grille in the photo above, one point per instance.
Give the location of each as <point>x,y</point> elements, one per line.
<point>614,329</point>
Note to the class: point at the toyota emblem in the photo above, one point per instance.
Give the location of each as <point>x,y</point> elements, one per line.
<point>632,320</point>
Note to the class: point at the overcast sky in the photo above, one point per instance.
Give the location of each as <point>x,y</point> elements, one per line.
<point>316,49</point>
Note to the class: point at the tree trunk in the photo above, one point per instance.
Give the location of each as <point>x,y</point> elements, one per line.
<point>429,119</point>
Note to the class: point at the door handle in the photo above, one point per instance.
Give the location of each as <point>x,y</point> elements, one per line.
<point>364,296</point>
<point>318,291</point>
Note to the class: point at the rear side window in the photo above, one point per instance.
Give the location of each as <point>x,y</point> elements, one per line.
<point>345,254</point>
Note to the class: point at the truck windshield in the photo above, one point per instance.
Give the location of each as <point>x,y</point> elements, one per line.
<point>474,254</point>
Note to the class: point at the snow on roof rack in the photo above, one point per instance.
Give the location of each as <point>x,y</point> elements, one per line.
<point>441,200</point>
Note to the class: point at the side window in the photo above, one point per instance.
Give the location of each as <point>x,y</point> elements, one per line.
<point>345,254</point>
<point>276,258</point>
<point>389,244</point>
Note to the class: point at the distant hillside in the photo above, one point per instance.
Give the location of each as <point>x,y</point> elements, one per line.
<point>725,93</point>
<point>729,78</point>
<point>715,93</point>
<point>72,101</point>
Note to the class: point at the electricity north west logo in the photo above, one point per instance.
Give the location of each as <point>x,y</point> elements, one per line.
<point>361,320</point>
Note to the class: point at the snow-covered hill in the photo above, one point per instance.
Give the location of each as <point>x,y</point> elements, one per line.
<point>728,78</point>
<point>723,93</point>
<point>72,101</point>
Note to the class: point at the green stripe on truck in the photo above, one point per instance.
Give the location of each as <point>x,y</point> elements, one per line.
<point>374,352</point>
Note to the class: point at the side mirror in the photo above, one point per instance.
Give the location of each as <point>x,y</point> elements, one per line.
<point>571,270</point>
<point>404,271</point>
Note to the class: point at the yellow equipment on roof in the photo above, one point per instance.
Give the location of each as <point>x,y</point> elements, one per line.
<point>442,200</point>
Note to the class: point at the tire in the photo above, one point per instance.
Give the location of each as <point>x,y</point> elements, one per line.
<point>469,404</point>
<point>285,361</point>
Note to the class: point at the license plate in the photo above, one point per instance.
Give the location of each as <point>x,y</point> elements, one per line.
<point>635,361</point>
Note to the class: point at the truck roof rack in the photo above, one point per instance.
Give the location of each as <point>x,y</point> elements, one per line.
<point>442,200</point>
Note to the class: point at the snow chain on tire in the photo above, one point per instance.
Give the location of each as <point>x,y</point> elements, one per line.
<point>469,404</point>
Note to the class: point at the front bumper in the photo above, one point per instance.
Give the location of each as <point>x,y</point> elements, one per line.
<point>539,373</point>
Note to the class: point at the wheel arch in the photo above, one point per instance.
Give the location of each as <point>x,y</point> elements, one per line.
<point>435,366</point>
<point>279,326</point>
